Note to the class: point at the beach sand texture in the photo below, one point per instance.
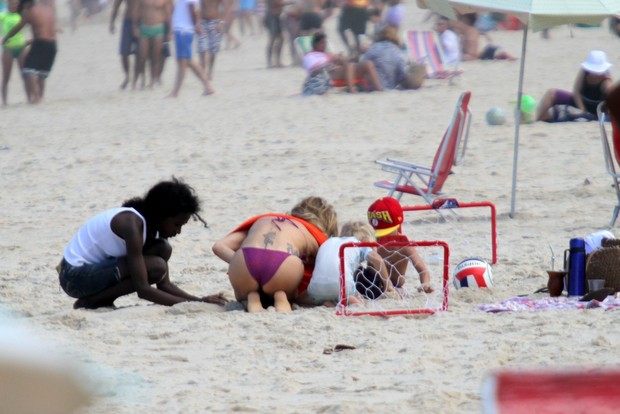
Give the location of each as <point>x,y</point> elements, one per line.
<point>257,146</point>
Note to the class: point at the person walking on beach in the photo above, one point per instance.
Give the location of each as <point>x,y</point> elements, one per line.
<point>42,19</point>
<point>185,22</point>
<point>128,42</point>
<point>14,49</point>
<point>273,254</point>
<point>149,24</point>
<point>214,14</point>
<point>125,250</point>
<point>273,22</point>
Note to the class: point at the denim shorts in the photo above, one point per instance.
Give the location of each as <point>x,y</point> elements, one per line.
<point>183,44</point>
<point>86,280</point>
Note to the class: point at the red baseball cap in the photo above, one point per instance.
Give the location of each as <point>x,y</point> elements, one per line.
<point>385,215</point>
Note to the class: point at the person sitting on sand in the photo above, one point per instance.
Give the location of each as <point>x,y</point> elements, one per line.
<point>470,36</point>
<point>592,85</point>
<point>386,216</point>
<point>125,250</point>
<point>324,287</point>
<point>323,68</point>
<point>273,254</point>
<point>387,57</point>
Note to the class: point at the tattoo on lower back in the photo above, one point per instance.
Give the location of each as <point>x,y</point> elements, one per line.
<point>269,238</point>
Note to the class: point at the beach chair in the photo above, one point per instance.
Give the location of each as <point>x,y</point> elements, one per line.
<point>303,45</point>
<point>427,182</point>
<point>424,47</point>
<point>610,109</point>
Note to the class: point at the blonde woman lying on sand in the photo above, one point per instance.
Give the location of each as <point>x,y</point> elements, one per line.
<point>273,254</point>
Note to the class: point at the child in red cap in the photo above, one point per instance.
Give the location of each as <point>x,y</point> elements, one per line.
<point>386,217</point>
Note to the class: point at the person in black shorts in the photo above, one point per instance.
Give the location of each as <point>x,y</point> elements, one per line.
<point>353,17</point>
<point>42,18</point>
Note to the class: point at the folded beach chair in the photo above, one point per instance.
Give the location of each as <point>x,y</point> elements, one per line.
<point>610,109</point>
<point>427,182</point>
<point>424,47</point>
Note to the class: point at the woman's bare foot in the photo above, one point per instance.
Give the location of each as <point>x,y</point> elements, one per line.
<point>254,303</point>
<point>281,302</point>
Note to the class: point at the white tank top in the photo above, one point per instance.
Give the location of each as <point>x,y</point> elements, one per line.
<point>95,241</point>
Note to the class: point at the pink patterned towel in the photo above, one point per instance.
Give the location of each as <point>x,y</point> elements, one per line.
<point>529,304</point>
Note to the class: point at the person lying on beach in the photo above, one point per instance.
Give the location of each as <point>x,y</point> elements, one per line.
<point>323,68</point>
<point>386,216</point>
<point>470,37</point>
<point>125,250</point>
<point>324,287</point>
<point>592,85</point>
<point>273,254</point>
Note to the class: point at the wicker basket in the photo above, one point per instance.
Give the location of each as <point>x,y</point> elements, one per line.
<point>605,264</point>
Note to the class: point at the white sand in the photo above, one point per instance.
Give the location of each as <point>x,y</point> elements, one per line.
<point>253,147</point>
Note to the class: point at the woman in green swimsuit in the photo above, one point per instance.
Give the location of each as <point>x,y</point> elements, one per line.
<point>14,48</point>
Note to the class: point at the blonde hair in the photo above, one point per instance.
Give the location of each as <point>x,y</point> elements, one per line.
<point>390,34</point>
<point>317,211</point>
<point>359,229</point>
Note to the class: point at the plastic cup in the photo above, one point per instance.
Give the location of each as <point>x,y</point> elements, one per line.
<point>595,284</point>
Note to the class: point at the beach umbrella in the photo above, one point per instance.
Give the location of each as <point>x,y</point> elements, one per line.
<point>534,14</point>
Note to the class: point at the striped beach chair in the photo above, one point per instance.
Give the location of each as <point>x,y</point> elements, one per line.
<point>423,47</point>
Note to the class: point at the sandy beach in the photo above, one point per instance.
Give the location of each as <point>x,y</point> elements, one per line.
<point>257,146</point>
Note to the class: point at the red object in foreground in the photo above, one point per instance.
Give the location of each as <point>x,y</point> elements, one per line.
<point>559,392</point>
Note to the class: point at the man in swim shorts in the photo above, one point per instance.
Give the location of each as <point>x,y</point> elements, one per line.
<point>42,18</point>
<point>149,24</point>
<point>353,17</point>
<point>213,14</point>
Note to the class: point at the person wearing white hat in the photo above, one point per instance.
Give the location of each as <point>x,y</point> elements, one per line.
<point>591,87</point>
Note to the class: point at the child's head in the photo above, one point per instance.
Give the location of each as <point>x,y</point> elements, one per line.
<point>358,229</point>
<point>390,34</point>
<point>319,41</point>
<point>386,216</point>
<point>167,203</point>
<point>317,211</point>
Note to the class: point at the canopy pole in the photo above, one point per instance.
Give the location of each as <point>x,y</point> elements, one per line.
<point>518,123</point>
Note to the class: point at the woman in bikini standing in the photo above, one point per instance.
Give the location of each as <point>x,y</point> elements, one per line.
<point>274,253</point>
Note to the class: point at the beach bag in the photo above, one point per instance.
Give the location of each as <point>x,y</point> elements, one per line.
<point>604,264</point>
<point>317,83</point>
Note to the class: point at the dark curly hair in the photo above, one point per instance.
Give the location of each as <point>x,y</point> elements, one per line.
<point>166,199</point>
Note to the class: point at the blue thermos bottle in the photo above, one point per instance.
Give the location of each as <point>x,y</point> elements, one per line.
<point>577,267</point>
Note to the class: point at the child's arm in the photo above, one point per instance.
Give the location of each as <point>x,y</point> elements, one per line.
<point>420,267</point>
<point>375,261</point>
<point>129,227</point>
